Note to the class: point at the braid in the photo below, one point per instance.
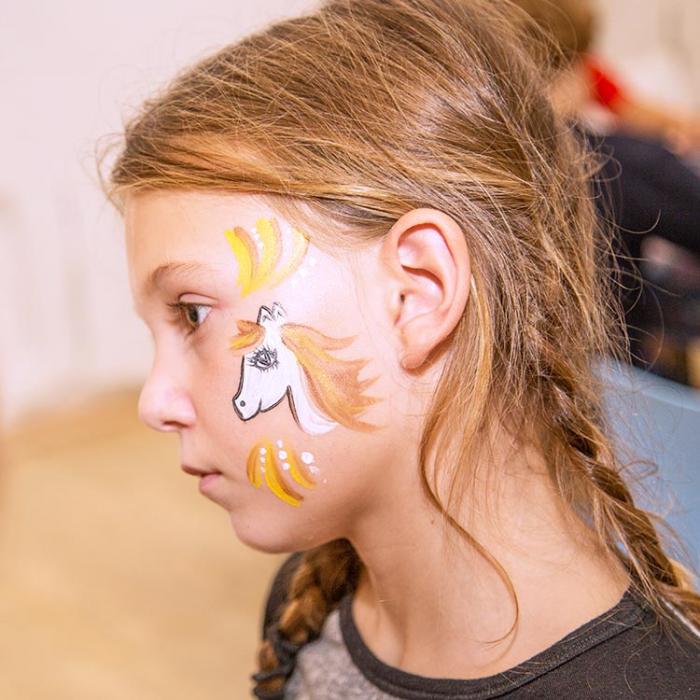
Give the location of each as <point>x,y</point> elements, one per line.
<point>322,577</point>
<point>579,438</point>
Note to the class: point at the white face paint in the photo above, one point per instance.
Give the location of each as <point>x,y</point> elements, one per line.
<point>270,373</point>
<point>191,385</point>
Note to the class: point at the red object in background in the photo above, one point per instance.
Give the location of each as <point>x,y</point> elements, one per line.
<point>604,89</point>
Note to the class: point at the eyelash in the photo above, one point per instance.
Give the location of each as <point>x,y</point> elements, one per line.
<point>180,309</point>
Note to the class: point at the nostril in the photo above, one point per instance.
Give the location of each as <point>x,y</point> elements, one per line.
<point>241,404</point>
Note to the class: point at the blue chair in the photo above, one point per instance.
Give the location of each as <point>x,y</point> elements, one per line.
<point>658,420</point>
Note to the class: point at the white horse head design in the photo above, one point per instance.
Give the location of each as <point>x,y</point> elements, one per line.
<point>270,373</point>
<point>292,361</point>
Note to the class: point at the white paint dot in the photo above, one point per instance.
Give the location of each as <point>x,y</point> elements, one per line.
<point>263,450</point>
<point>262,469</point>
<point>282,454</point>
<point>307,457</point>
<point>279,443</point>
<point>285,466</point>
<point>313,469</point>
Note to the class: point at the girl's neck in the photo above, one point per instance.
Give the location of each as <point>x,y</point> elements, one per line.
<point>431,608</point>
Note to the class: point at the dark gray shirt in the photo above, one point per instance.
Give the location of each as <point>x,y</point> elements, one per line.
<point>623,653</point>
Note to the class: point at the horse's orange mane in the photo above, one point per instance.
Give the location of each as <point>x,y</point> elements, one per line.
<point>333,383</point>
<point>250,335</point>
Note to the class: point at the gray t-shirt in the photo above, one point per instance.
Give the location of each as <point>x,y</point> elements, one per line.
<point>623,653</point>
<point>324,669</point>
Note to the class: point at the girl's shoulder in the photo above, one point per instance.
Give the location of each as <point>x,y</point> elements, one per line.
<point>625,653</point>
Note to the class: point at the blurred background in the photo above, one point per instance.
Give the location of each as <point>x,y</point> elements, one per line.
<point>117,579</point>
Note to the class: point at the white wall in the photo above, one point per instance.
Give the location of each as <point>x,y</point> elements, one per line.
<point>655,44</point>
<point>68,71</point>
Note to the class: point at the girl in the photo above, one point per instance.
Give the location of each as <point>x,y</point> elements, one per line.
<point>365,248</point>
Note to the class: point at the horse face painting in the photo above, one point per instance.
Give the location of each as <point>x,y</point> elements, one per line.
<point>267,371</point>
<point>285,360</point>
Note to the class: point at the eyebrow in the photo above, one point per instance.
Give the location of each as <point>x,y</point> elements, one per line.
<point>162,272</point>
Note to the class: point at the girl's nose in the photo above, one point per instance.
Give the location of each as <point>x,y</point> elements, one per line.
<point>163,405</point>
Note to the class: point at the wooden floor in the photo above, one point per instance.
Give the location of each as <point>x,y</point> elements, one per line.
<point>117,578</point>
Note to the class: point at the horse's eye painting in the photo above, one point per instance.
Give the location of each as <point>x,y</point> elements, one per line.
<point>263,359</point>
<point>290,361</point>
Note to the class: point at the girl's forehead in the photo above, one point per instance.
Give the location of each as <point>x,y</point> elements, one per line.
<point>181,229</point>
<point>163,218</point>
<point>227,246</point>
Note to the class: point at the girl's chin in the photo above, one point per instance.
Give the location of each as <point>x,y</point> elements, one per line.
<point>269,534</point>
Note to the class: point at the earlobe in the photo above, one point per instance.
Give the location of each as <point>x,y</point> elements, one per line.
<point>427,256</point>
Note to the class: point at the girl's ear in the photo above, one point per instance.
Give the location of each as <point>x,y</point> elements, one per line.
<point>426,257</point>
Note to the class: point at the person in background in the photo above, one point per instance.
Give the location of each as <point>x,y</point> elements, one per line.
<point>645,186</point>
<point>585,87</point>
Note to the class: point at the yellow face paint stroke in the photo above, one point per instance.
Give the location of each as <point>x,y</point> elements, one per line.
<point>253,469</point>
<point>274,480</point>
<point>300,244</point>
<point>271,250</point>
<point>250,334</point>
<point>333,383</point>
<point>298,472</point>
<point>262,459</point>
<point>258,265</point>
<point>243,258</point>
<point>305,473</point>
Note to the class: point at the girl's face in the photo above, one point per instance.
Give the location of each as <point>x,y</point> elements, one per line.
<point>274,361</point>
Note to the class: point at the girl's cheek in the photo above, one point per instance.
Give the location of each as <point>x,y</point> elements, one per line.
<point>297,376</point>
<point>298,388</point>
<point>289,473</point>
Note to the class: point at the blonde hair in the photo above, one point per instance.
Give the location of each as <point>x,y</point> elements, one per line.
<point>570,24</point>
<point>364,110</point>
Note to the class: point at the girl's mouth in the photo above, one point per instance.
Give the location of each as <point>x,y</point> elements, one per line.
<point>198,472</point>
<point>206,476</point>
<point>207,479</point>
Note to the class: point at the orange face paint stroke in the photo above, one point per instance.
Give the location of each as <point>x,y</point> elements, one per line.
<point>259,254</point>
<point>269,464</point>
<point>333,383</point>
<point>250,334</point>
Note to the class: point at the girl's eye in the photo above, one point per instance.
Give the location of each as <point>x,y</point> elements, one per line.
<point>192,315</point>
<point>196,313</point>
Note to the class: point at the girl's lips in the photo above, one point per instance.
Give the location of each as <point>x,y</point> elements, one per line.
<point>198,472</point>
<point>207,480</point>
<point>206,477</point>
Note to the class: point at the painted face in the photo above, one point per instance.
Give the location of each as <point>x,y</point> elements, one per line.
<point>278,374</point>
<point>267,371</point>
<point>294,362</point>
